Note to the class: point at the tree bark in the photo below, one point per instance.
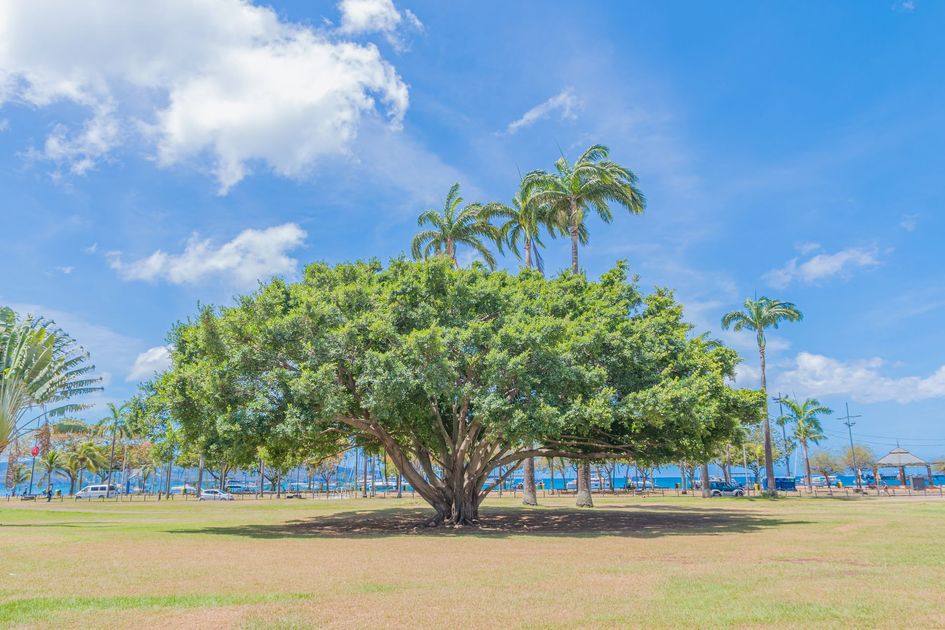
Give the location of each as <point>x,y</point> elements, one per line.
<point>262,478</point>
<point>111,461</point>
<point>769,451</point>
<point>529,496</point>
<point>364,490</point>
<point>810,481</point>
<point>124,469</point>
<point>706,490</point>
<point>200,464</point>
<point>584,498</point>
<point>528,253</point>
<point>574,249</point>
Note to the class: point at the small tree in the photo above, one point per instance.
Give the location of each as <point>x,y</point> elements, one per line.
<point>857,458</point>
<point>826,464</point>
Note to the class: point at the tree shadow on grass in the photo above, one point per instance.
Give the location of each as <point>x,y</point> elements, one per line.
<point>638,522</point>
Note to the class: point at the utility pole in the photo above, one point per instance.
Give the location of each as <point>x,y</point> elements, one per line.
<point>848,420</point>
<point>787,454</point>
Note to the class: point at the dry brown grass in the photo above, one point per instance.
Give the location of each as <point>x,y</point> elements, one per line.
<point>367,563</point>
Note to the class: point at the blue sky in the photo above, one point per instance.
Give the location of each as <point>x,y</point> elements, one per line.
<point>154,157</point>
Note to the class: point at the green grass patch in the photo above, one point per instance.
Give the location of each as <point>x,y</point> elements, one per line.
<point>44,608</point>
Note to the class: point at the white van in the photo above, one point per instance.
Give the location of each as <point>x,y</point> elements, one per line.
<point>97,492</point>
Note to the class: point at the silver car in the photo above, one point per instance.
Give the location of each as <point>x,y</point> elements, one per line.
<point>215,495</point>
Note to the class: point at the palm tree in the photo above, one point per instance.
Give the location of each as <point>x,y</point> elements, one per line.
<point>18,476</point>
<point>807,427</point>
<point>51,462</point>
<point>523,221</point>
<point>88,456</point>
<point>454,225</point>
<point>115,419</point>
<point>592,183</point>
<point>759,315</point>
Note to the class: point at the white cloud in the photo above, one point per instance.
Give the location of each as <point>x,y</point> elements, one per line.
<point>823,266</point>
<point>565,104</point>
<point>906,6</point>
<point>818,375</point>
<point>218,79</point>
<point>909,222</point>
<point>4,124</point>
<point>376,16</point>
<point>149,362</point>
<point>91,249</point>
<point>250,256</point>
<point>66,269</point>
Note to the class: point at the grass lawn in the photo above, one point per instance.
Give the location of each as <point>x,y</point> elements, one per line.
<point>631,562</point>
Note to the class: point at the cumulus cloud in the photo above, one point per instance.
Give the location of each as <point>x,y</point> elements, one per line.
<point>376,16</point>
<point>565,104</point>
<point>218,79</point>
<point>149,363</point>
<point>250,256</point>
<point>818,375</point>
<point>823,266</point>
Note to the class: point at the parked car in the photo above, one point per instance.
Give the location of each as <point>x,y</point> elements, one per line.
<point>97,491</point>
<point>722,489</point>
<point>213,494</point>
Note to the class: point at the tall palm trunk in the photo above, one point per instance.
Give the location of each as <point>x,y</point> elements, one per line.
<point>124,468</point>
<point>584,485</point>
<point>807,463</point>
<point>528,252</point>
<point>111,461</point>
<point>529,496</point>
<point>81,471</point>
<point>574,249</point>
<point>769,451</point>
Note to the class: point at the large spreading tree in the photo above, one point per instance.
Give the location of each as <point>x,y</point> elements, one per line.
<point>455,372</point>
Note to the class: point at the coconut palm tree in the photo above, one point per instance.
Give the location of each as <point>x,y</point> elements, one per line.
<point>759,315</point>
<point>51,463</point>
<point>116,421</point>
<point>523,222</point>
<point>807,427</point>
<point>593,182</point>
<point>455,225</point>
<point>86,456</point>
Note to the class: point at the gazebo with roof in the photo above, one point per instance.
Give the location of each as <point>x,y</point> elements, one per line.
<point>901,458</point>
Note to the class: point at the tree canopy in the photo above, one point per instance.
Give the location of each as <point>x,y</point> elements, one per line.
<point>455,372</point>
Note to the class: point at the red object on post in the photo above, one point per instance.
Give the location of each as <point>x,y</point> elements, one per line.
<point>35,451</point>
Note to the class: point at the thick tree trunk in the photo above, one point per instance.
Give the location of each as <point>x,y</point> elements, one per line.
<point>584,485</point>
<point>262,478</point>
<point>529,496</point>
<point>200,464</point>
<point>706,490</point>
<point>400,484</point>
